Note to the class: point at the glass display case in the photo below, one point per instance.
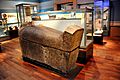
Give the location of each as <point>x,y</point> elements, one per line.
<point>60,20</point>
<point>98,21</point>
<point>106,14</point>
<point>24,12</point>
<point>101,20</point>
<point>7,23</point>
<point>98,16</point>
<point>101,16</point>
<point>3,27</point>
<point>64,4</point>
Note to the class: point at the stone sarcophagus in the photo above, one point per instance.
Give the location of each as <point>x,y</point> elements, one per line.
<point>52,47</point>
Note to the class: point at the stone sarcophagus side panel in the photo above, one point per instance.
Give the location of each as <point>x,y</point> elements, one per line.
<point>52,47</point>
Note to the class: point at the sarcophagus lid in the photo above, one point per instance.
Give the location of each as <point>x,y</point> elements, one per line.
<point>65,41</point>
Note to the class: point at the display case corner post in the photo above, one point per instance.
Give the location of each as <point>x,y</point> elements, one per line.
<point>17,16</point>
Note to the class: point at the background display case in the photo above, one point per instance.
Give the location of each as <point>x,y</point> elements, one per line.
<point>8,22</point>
<point>101,16</point>
<point>98,15</point>
<point>3,26</point>
<point>64,4</point>
<point>24,12</point>
<point>101,20</point>
<point>98,21</point>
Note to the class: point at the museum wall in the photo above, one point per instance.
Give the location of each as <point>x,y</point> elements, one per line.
<point>115,18</point>
<point>46,5</point>
<point>115,13</point>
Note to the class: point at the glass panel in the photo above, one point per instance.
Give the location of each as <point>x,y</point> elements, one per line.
<point>24,12</point>
<point>106,20</point>
<point>98,16</point>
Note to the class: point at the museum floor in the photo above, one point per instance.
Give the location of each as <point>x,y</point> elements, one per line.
<point>105,64</point>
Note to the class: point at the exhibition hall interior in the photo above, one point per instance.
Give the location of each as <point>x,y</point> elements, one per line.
<point>59,39</point>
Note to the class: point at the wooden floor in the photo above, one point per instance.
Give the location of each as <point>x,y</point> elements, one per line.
<point>105,64</point>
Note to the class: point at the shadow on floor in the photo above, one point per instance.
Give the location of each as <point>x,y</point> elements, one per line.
<point>71,75</point>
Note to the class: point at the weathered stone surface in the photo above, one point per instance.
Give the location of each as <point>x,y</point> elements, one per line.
<point>52,47</point>
<point>52,38</point>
